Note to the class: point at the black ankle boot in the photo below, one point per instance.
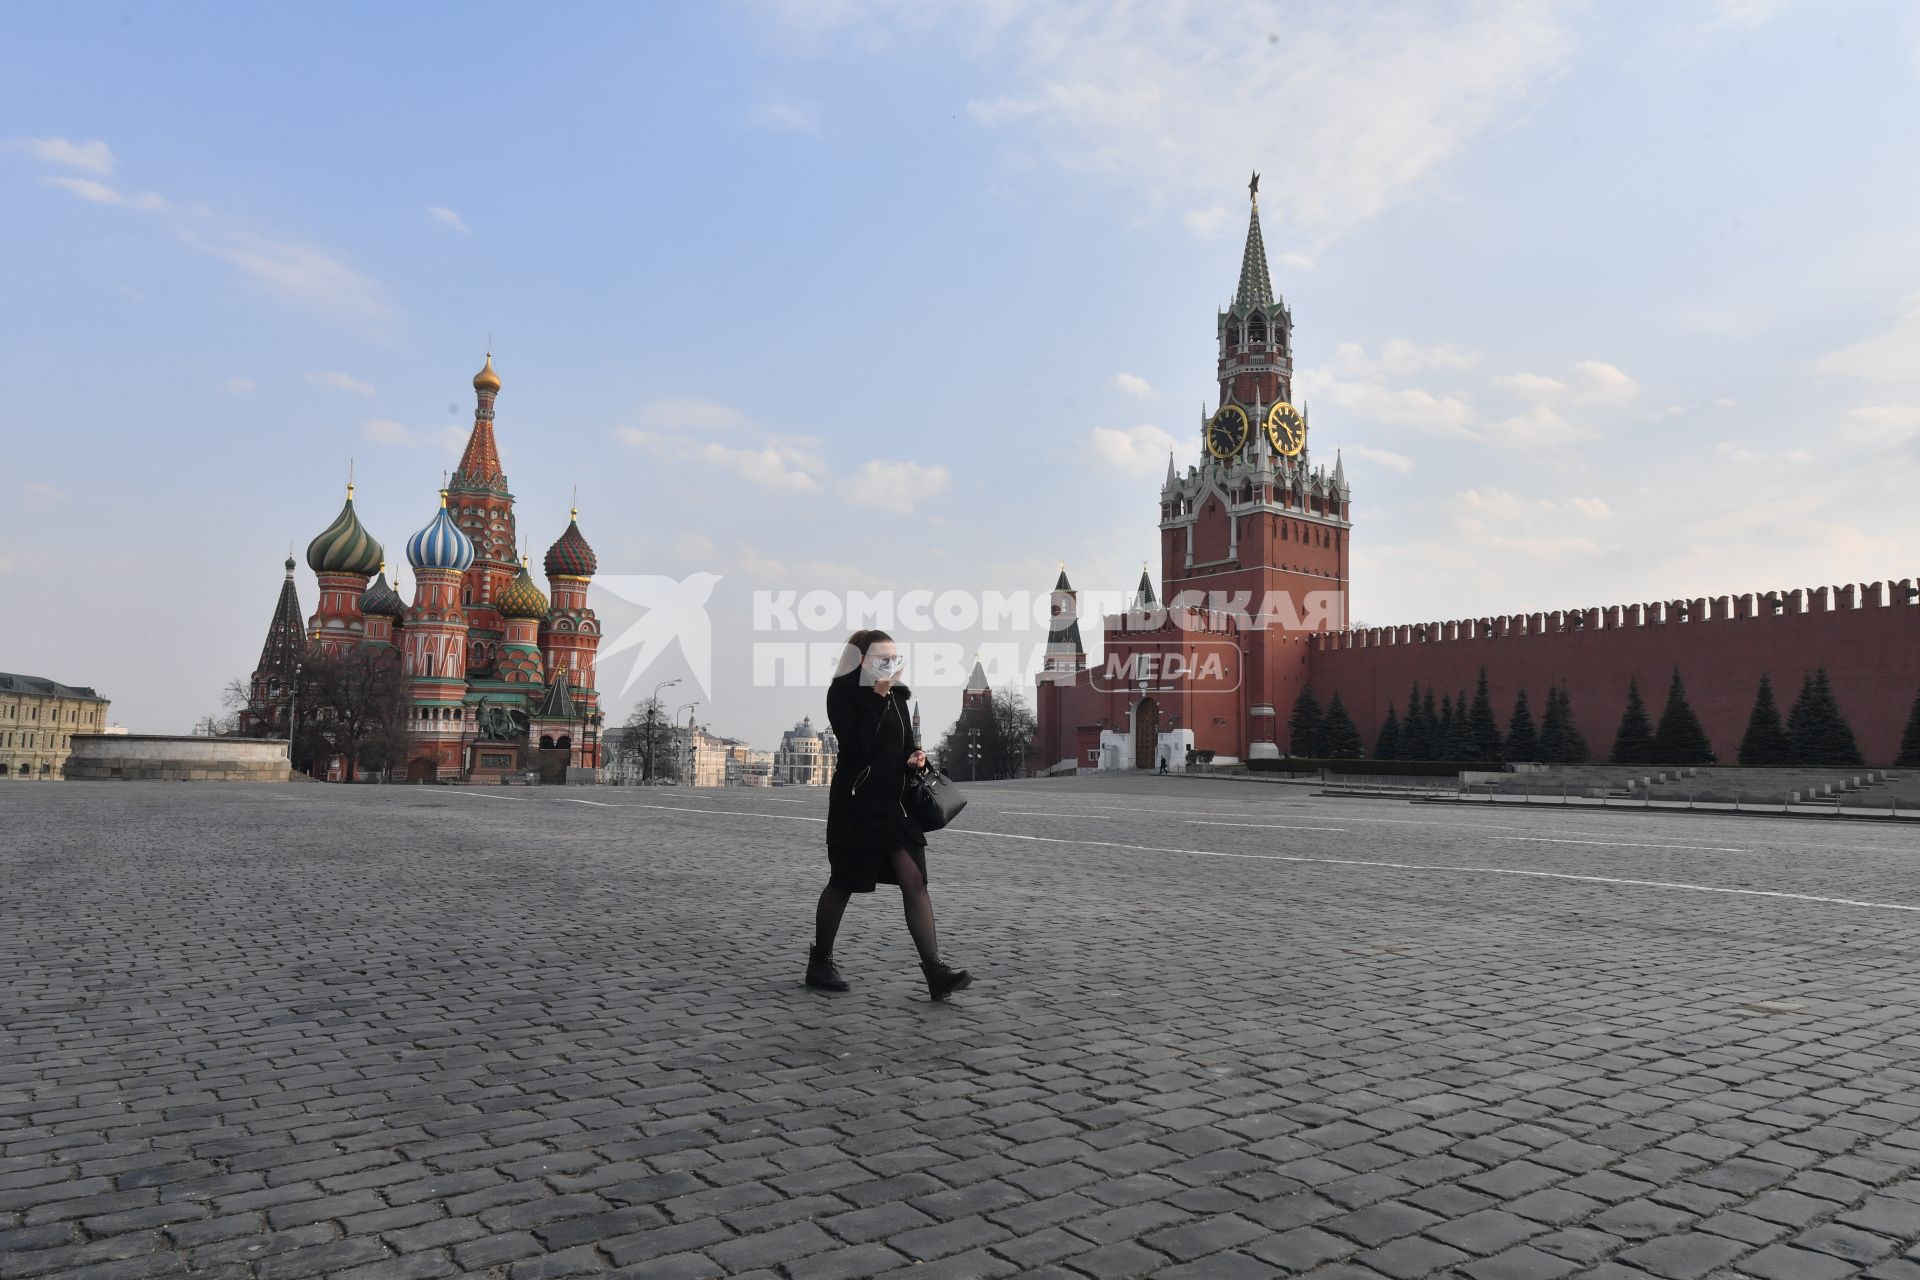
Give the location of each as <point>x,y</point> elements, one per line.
<point>821,972</point>
<point>943,980</point>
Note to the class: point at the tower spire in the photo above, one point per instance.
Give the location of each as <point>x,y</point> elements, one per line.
<point>1256,285</point>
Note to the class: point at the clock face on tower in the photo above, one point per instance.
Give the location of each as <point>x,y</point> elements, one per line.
<point>1227,433</point>
<point>1286,429</point>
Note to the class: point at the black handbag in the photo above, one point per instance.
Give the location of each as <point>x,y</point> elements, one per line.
<point>932,799</point>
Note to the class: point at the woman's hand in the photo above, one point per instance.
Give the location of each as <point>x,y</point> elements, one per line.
<point>918,760</point>
<point>883,687</point>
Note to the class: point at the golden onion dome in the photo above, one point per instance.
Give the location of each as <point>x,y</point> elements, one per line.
<point>522,597</point>
<point>487,379</point>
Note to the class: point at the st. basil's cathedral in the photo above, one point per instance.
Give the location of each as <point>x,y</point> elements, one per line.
<point>500,673</point>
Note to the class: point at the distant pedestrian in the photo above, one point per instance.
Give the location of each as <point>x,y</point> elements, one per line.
<point>870,837</point>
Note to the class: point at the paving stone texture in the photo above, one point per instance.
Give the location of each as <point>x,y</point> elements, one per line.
<point>1217,1031</point>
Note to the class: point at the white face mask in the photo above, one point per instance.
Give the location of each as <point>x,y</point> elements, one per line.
<point>884,665</point>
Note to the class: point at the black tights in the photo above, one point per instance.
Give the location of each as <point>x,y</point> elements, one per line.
<point>913,896</point>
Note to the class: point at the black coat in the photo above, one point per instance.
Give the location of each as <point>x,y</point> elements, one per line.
<point>864,803</point>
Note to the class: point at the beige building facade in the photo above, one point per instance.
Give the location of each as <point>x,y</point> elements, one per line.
<point>806,756</point>
<point>38,718</point>
<point>750,768</point>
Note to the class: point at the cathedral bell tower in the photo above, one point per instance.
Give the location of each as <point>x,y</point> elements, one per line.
<point>1255,525</point>
<point>481,506</point>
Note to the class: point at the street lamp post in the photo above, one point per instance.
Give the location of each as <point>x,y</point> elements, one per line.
<point>293,707</point>
<point>653,704</point>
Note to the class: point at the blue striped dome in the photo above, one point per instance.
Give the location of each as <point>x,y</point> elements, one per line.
<point>440,545</point>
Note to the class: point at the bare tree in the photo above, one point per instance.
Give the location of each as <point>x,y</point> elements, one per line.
<point>353,706</point>
<point>645,743</point>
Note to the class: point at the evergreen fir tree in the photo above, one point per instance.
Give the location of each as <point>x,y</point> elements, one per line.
<point>1485,730</point>
<point>1460,745</point>
<point>1576,750</point>
<point>1412,733</point>
<point>1430,742</point>
<point>1553,728</point>
<point>1633,740</point>
<point>1387,745</point>
<point>1680,739</point>
<point>1765,744</point>
<point>1523,742</point>
<point>1909,757</point>
<point>1304,728</point>
<point>1443,729</point>
<point>1339,736</point>
<point>1817,733</point>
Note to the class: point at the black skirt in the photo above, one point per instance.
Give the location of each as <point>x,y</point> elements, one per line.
<point>857,868</point>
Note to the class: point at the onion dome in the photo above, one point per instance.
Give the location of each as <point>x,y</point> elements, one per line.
<point>382,599</point>
<point>571,557</point>
<point>487,379</point>
<point>345,546</point>
<point>523,598</point>
<point>440,545</point>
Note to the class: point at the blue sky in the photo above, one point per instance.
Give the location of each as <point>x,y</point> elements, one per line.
<point>1602,303</point>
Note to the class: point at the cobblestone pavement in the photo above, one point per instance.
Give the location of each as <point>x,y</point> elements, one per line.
<point>1217,1031</point>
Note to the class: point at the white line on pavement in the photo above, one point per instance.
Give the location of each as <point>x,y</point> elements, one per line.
<point>1623,844</point>
<point>1339,862</point>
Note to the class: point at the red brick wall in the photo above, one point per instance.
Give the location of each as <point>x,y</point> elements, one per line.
<point>1872,655</point>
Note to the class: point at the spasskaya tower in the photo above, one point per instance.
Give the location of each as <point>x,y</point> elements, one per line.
<point>1256,522</point>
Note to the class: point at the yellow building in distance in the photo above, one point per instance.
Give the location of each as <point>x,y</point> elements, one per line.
<point>38,719</point>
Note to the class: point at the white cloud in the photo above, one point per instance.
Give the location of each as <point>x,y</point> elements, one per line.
<point>94,157</point>
<point>440,213</point>
<point>682,429</point>
<point>87,189</point>
<point>1140,451</point>
<point>695,546</point>
<point>1496,520</point>
<point>1382,457</point>
<point>1537,428</point>
<point>1399,358</point>
<point>1592,382</point>
<point>300,274</point>
<point>240,386</point>
<point>1739,454</point>
<point>1207,221</point>
<point>1742,15</point>
<point>44,492</point>
<point>1884,425</point>
<point>295,272</point>
<point>1441,414</point>
<point>449,439</point>
<point>1592,508</point>
<point>1167,99</point>
<point>1529,386</point>
<point>894,486</point>
<point>780,116</point>
<point>1298,261</point>
<point>1597,382</point>
<point>773,466</point>
<point>1133,385</point>
<point>1726,402</point>
<point>1892,356</point>
<point>340,382</point>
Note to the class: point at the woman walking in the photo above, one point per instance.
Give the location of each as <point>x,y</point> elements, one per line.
<point>870,838</point>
